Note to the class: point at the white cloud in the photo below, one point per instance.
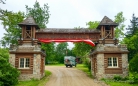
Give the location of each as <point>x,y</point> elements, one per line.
<point>74,13</point>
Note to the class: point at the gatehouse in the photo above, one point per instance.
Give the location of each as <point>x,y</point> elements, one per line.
<point>108,59</point>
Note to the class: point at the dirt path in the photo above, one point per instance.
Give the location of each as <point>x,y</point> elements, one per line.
<point>62,76</point>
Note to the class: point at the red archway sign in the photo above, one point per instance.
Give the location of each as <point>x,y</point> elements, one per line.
<point>87,41</point>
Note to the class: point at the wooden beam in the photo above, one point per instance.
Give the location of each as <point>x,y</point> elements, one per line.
<point>102,32</point>
<point>113,32</point>
<point>31,31</point>
<point>23,31</point>
<point>34,32</point>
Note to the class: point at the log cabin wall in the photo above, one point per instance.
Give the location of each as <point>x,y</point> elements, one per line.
<point>23,70</point>
<point>111,60</point>
<point>109,70</point>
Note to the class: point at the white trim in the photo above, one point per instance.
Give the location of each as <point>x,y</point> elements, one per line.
<point>112,63</point>
<point>112,67</point>
<point>24,64</point>
<point>23,68</point>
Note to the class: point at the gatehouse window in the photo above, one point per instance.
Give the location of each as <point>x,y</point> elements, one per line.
<point>24,62</point>
<point>113,62</point>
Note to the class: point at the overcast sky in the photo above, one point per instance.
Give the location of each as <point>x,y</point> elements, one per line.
<point>74,13</point>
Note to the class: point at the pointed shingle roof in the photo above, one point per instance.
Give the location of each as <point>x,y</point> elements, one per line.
<point>107,21</point>
<point>29,21</point>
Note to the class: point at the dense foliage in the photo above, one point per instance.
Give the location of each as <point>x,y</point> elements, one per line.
<point>40,14</point>
<point>50,52</point>
<point>8,74</point>
<point>132,44</point>
<point>82,49</point>
<point>131,37</point>
<point>61,51</point>
<point>92,24</point>
<point>119,30</point>
<point>2,1</point>
<point>9,21</point>
<point>134,64</point>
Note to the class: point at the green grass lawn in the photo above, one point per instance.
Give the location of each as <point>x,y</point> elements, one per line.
<point>32,82</point>
<point>120,84</point>
<point>84,69</point>
<point>54,65</point>
<point>109,82</point>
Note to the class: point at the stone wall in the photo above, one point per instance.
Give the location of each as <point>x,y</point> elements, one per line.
<point>125,64</point>
<point>100,66</point>
<point>36,70</point>
<point>23,77</point>
<point>36,64</point>
<point>12,59</point>
<point>111,49</point>
<point>110,76</point>
<point>92,72</point>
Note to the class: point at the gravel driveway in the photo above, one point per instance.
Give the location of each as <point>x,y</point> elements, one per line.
<point>62,76</point>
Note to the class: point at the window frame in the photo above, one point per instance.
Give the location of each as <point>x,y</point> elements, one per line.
<point>112,62</point>
<point>24,63</point>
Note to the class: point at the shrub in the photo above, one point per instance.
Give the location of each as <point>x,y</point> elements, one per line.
<point>117,78</point>
<point>125,78</point>
<point>131,79</point>
<point>8,74</point>
<point>133,68</point>
<point>87,63</point>
<point>134,64</point>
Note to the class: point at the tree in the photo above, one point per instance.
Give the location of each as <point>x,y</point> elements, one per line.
<point>8,74</point>
<point>119,30</point>
<point>131,37</point>
<point>80,49</point>
<point>61,51</point>
<point>49,50</point>
<point>40,14</point>
<point>9,21</point>
<point>4,53</point>
<point>132,44</point>
<point>134,64</point>
<point>70,53</point>
<point>133,28</point>
<point>1,1</point>
<point>92,24</point>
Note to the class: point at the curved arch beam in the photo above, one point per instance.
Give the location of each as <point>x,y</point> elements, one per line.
<point>87,41</point>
